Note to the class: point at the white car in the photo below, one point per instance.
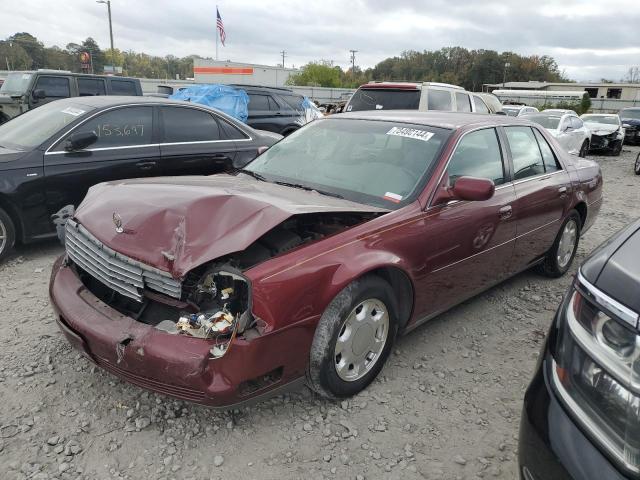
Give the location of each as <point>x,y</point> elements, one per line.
<point>559,111</point>
<point>607,132</point>
<point>568,130</point>
<point>518,110</point>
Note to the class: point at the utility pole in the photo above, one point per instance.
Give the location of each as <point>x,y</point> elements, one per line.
<point>353,61</point>
<point>504,73</point>
<point>108,3</point>
<point>284,54</point>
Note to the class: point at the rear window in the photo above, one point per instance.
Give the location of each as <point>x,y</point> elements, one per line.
<point>439,100</point>
<point>384,99</point>
<point>122,87</point>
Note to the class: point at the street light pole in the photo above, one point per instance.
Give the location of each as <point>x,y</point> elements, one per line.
<point>108,2</point>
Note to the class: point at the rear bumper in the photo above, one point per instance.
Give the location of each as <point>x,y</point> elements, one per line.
<point>177,365</point>
<point>552,447</point>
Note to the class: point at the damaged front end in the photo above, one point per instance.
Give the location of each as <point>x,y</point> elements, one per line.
<point>213,301</point>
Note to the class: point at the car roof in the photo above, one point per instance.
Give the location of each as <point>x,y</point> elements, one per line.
<point>100,101</point>
<point>448,120</point>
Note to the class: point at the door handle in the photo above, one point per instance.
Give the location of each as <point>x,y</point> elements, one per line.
<point>146,165</point>
<point>506,212</point>
<point>562,191</point>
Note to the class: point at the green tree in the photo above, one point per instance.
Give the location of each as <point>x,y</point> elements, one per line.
<point>317,74</point>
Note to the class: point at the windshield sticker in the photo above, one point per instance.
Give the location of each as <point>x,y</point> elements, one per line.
<point>349,108</point>
<point>411,133</point>
<point>393,197</point>
<point>379,107</point>
<point>26,76</point>
<point>73,111</point>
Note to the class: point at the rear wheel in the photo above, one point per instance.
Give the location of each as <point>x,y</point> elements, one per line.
<point>7,234</point>
<point>584,149</point>
<point>636,166</point>
<point>561,254</point>
<point>353,338</point>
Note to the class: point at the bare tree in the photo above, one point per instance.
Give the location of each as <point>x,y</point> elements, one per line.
<point>633,75</point>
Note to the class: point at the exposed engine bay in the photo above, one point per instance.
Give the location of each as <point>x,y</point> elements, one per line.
<point>216,298</point>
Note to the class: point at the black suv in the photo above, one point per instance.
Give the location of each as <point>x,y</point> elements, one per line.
<point>22,91</point>
<point>274,109</point>
<point>581,417</point>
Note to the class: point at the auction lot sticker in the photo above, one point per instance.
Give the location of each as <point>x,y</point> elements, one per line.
<point>411,133</point>
<point>73,111</point>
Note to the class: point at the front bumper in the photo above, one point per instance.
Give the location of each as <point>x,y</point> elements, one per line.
<point>177,365</point>
<point>632,134</point>
<point>604,142</point>
<point>551,446</point>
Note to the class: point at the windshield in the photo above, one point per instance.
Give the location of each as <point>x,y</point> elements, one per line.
<point>16,83</point>
<point>635,114</point>
<point>384,99</point>
<point>546,121</point>
<point>32,128</point>
<point>605,119</point>
<point>378,163</point>
<point>511,111</point>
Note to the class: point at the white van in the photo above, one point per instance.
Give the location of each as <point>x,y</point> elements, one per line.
<point>421,96</point>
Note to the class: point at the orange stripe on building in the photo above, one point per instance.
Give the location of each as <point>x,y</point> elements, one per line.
<point>224,70</point>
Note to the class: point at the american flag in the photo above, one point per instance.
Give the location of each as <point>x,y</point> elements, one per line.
<point>223,36</point>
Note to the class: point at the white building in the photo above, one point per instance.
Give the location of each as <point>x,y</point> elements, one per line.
<point>215,71</point>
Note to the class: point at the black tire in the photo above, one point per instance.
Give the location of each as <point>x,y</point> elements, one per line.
<point>636,166</point>
<point>7,234</point>
<point>584,149</point>
<point>322,376</point>
<point>617,150</point>
<point>551,266</point>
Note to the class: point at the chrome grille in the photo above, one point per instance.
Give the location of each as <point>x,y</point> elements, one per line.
<point>118,272</point>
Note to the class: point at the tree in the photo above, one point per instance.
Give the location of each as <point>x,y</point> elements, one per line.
<point>31,45</point>
<point>13,56</point>
<point>633,75</point>
<point>317,74</point>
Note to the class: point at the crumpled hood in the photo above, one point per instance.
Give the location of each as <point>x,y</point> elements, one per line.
<point>601,128</point>
<point>178,223</point>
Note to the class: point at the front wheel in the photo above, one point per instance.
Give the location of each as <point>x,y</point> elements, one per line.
<point>636,167</point>
<point>561,254</point>
<point>7,234</point>
<point>584,149</point>
<point>617,149</point>
<point>353,338</point>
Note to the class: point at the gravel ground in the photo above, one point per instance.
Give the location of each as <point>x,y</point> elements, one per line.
<point>446,406</point>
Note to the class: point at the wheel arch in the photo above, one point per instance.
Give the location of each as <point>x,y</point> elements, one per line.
<point>12,211</point>
<point>581,208</point>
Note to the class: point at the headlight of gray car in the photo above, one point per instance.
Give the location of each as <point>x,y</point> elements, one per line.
<point>596,371</point>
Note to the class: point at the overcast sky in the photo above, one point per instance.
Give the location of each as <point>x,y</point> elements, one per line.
<point>589,39</point>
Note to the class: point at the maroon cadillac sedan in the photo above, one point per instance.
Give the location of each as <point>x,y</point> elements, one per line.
<point>308,263</point>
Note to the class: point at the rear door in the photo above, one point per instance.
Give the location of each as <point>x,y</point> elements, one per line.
<point>54,87</point>
<point>542,189</point>
<point>469,245</point>
<point>193,142</point>
<point>264,113</point>
<point>126,148</point>
<point>578,134</point>
<point>88,87</point>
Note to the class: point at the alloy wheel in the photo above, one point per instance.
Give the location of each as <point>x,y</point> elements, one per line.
<point>637,165</point>
<point>3,236</point>
<point>567,243</point>
<point>361,340</point>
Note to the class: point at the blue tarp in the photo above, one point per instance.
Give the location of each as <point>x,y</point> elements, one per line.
<point>229,100</point>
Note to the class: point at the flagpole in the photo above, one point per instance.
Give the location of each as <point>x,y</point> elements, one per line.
<point>216,32</point>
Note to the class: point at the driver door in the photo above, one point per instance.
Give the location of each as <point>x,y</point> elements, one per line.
<point>468,245</point>
<point>125,148</point>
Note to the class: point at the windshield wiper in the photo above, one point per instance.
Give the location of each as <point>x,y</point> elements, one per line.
<point>253,174</point>
<point>310,189</point>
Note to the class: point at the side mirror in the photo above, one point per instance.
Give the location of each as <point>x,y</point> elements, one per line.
<point>80,141</point>
<point>39,94</point>
<point>471,189</point>
<point>567,128</point>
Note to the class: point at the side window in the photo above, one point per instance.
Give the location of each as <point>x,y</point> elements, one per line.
<point>439,99</point>
<point>122,87</point>
<point>183,124</point>
<point>119,128</point>
<point>293,101</point>
<point>480,106</point>
<point>550,161</point>
<point>54,87</point>
<point>527,159</point>
<point>463,103</point>
<point>478,155</point>
<point>88,87</point>
<point>261,102</point>
<point>230,132</point>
